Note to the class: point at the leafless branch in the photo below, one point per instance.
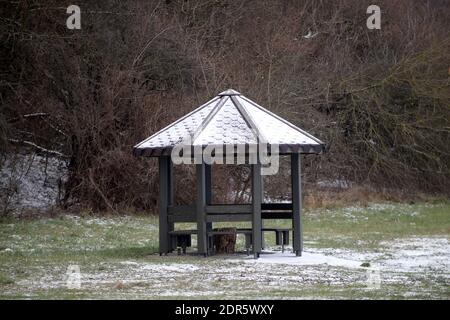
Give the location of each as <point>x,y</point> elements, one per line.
<point>42,149</point>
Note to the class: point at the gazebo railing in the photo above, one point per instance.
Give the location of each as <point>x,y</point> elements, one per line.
<point>229,212</point>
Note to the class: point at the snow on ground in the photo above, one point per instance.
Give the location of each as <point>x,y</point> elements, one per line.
<point>307,258</point>
<point>419,254</point>
<point>337,183</point>
<point>357,213</point>
<point>119,267</point>
<point>411,263</point>
<point>177,267</point>
<point>31,181</point>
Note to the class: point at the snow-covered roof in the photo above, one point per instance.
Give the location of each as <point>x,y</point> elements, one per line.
<point>230,119</point>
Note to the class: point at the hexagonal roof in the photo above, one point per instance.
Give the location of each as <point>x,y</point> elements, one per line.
<point>230,119</point>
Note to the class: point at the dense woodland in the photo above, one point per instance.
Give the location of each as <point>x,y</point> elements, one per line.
<point>379,99</point>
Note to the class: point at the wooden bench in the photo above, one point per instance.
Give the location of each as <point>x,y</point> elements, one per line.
<point>181,239</point>
<point>281,236</point>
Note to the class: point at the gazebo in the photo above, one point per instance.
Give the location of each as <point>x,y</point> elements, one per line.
<point>232,123</point>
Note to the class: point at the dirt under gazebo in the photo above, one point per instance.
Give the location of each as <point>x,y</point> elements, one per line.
<point>233,129</point>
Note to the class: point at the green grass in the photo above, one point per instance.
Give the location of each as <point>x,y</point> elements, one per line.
<point>35,253</point>
<point>5,280</point>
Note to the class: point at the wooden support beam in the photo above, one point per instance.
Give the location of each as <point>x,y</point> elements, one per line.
<point>201,212</point>
<point>189,209</point>
<point>164,198</point>
<point>187,213</point>
<point>276,215</point>
<point>263,242</point>
<point>229,217</point>
<point>208,186</point>
<point>182,218</point>
<point>296,203</point>
<point>256,204</point>
<point>170,181</point>
<point>276,206</point>
<point>182,213</point>
<point>229,208</point>
<point>171,199</point>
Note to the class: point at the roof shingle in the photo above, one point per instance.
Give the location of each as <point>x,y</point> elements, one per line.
<point>230,118</point>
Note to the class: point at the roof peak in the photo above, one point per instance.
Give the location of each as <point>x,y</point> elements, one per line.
<point>229,92</point>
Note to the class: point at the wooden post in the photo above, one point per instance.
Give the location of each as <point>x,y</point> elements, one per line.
<point>256,203</point>
<point>164,198</point>
<point>201,210</point>
<point>208,187</point>
<point>263,242</point>
<point>296,203</point>
<point>171,201</point>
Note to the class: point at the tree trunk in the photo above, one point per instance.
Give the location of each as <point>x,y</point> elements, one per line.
<point>225,243</point>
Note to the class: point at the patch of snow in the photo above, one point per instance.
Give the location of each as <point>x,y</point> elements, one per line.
<point>130,263</point>
<point>102,221</point>
<point>361,256</point>
<point>401,255</point>
<point>417,255</point>
<point>357,213</point>
<point>269,199</point>
<point>176,267</point>
<point>31,181</point>
<point>336,184</point>
<point>307,258</point>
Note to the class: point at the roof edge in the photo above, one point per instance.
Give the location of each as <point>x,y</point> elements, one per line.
<point>283,149</point>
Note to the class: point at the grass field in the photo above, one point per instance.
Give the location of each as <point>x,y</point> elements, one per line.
<point>406,246</point>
